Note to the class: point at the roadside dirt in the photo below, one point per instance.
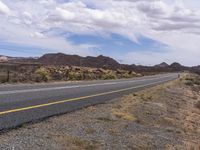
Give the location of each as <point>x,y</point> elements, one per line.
<point>163,117</point>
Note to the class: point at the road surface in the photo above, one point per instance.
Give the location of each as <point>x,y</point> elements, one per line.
<point>31,102</point>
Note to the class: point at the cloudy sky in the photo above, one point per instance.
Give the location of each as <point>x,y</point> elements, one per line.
<point>132,31</point>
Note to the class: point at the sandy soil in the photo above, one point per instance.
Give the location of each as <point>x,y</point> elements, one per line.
<point>163,117</point>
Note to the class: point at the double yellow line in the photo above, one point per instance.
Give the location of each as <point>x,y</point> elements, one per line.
<point>74,99</point>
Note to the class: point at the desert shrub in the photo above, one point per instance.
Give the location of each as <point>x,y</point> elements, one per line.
<point>89,76</point>
<point>108,76</point>
<point>75,76</point>
<point>79,76</point>
<point>197,82</point>
<point>42,74</point>
<point>71,76</point>
<point>57,75</point>
<point>93,76</point>
<point>126,75</point>
<point>192,80</point>
<point>189,79</point>
<point>189,83</point>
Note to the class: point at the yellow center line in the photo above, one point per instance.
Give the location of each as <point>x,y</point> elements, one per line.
<point>74,99</point>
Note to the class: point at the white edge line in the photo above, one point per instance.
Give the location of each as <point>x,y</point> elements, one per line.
<point>74,86</point>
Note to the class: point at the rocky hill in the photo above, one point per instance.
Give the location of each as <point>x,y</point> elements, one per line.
<point>100,62</point>
<point>60,59</point>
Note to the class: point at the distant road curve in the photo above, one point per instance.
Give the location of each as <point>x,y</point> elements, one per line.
<point>30,102</point>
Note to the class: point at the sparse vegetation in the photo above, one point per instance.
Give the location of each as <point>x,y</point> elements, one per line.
<point>192,80</point>
<point>63,73</point>
<point>105,119</point>
<point>76,143</point>
<point>125,116</point>
<point>124,110</point>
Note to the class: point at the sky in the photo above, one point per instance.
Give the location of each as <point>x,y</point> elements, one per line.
<point>145,32</point>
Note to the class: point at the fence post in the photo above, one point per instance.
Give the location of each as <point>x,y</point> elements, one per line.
<point>8,75</point>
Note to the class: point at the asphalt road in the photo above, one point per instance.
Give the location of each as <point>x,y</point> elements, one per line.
<point>25,103</point>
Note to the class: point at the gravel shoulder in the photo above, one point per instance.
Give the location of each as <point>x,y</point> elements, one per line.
<point>163,117</point>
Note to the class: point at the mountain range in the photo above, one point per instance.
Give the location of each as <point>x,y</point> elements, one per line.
<point>60,59</point>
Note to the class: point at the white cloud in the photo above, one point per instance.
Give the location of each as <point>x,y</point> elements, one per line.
<point>63,14</point>
<point>173,23</point>
<point>4,9</point>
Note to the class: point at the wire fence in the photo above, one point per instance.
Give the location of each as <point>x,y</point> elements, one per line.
<point>7,76</point>
<point>4,76</point>
<point>16,72</point>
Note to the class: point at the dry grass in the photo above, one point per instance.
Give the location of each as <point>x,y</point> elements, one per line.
<point>126,109</point>
<point>90,130</point>
<point>105,119</point>
<point>125,115</point>
<point>76,143</point>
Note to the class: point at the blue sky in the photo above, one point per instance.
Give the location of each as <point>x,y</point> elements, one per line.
<point>113,46</point>
<point>139,31</point>
<point>116,45</point>
<point>12,49</point>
